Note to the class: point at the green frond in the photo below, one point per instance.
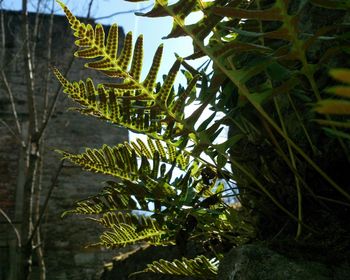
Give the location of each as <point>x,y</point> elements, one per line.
<point>124,234</point>
<point>339,107</point>
<point>179,11</point>
<point>115,196</point>
<point>92,44</point>
<point>128,229</point>
<point>199,267</point>
<point>121,162</point>
<point>131,103</point>
<point>111,219</point>
<point>122,107</point>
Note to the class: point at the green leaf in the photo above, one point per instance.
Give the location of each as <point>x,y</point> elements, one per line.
<point>341,75</point>
<point>221,161</point>
<point>337,133</point>
<point>343,91</point>
<point>333,107</point>
<point>199,267</point>
<point>205,123</point>
<point>229,143</point>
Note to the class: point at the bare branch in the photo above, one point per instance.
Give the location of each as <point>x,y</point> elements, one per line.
<point>13,105</point>
<point>28,68</point>
<point>124,12</point>
<point>48,60</point>
<point>4,78</point>
<point>17,137</point>
<point>53,105</point>
<point>35,33</point>
<point>89,9</point>
<point>13,227</point>
<point>48,196</point>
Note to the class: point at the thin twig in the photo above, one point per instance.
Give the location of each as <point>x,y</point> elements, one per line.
<point>4,77</point>
<point>19,140</point>
<point>48,196</point>
<point>28,69</point>
<point>124,12</point>
<point>89,9</point>
<point>35,33</point>
<point>38,241</point>
<point>13,105</point>
<point>13,227</point>
<point>48,61</point>
<point>51,110</point>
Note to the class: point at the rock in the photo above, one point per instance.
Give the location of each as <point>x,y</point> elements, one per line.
<point>255,262</point>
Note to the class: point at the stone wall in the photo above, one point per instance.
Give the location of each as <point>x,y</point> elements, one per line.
<point>63,239</point>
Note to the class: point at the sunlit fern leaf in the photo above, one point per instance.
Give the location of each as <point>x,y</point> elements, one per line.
<point>333,107</point>
<point>128,229</point>
<point>100,204</point>
<point>111,219</point>
<point>182,9</point>
<point>121,161</point>
<point>115,196</point>
<point>338,107</point>
<point>93,45</point>
<point>199,267</point>
<point>140,222</point>
<point>124,235</point>
<point>157,150</point>
<point>106,103</point>
<point>123,108</point>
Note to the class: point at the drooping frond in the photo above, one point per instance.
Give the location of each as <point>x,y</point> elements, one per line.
<point>199,267</point>
<point>111,219</point>
<point>92,44</point>
<point>115,196</point>
<point>181,9</point>
<point>128,229</point>
<point>339,107</point>
<point>139,113</point>
<point>121,161</point>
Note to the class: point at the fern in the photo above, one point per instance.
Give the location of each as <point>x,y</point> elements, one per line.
<point>199,267</point>
<point>337,106</point>
<point>267,71</point>
<point>136,105</point>
<point>126,229</point>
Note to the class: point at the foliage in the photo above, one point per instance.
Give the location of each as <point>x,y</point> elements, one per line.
<point>270,67</point>
<point>337,106</point>
<point>199,267</point>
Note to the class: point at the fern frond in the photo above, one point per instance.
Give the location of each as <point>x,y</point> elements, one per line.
<point>337,107</point>
<point>199,267</point>
<point>128,229</point>
<point>121,161</point>
<point>111,219</point>
<point>115,196</point>
<point>123,108</point>
<point>92,45</point>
